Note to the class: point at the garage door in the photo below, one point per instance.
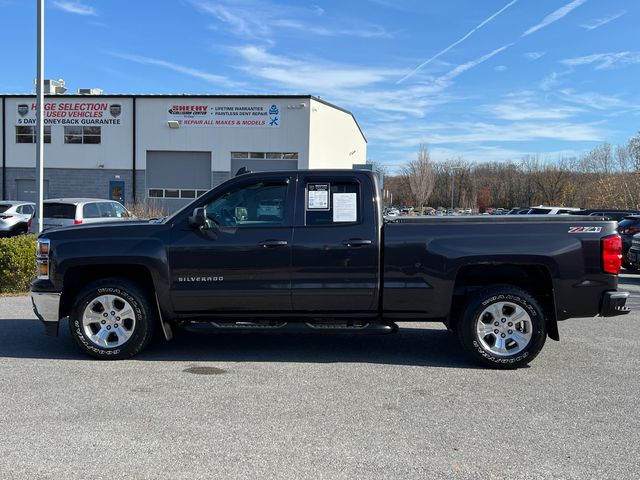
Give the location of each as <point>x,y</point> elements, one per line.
<point>174,179</point>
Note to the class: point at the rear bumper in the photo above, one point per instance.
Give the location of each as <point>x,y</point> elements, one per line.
<point>46,306</point>
<point>613,304</point>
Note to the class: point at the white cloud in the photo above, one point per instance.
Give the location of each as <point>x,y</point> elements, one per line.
<point>77,8</point>
<point>457,42</point>
<point>460,133</point>
<point>603,21</point>
<point>261,19</point>
<point>528,110</point>
<point>182,69</point>
<point>593,100</point>
<point>549,81</point>
<point>501,68</point>
<point>605,61</point>
<point>555,16</point>
<point>534,55</point>
<point>471,64</point>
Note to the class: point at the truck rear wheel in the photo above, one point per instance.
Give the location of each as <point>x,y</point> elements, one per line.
<point>502,327</point>
<point>112,319</point>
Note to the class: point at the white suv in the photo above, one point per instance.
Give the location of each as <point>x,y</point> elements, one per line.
<point>61,212</point>
<point>15,217</point>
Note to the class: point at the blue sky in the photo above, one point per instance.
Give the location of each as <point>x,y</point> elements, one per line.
<point>482,79</point>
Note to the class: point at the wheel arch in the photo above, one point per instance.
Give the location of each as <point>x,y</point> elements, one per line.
<point>77,277</point>
<point>534,279</point>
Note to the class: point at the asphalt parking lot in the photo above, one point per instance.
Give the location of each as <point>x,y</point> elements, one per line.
<point>401,406</point>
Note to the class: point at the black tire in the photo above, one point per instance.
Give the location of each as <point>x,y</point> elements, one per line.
<point>124,339</point>
<point>19,229</point>
<point>507,344</point>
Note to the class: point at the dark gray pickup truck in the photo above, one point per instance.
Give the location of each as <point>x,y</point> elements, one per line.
<point>310,251</point>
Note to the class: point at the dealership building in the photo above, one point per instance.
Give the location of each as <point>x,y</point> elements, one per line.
<point>169,148</point>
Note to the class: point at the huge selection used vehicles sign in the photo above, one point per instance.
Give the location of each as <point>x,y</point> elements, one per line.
<point>71,113</point>
<point>260,115</point>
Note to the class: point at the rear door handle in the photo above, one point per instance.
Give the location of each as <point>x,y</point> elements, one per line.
<point>356,242</point>
<point>273,243</point>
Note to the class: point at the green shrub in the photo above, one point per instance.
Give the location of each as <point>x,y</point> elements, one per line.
<point>17,263</point>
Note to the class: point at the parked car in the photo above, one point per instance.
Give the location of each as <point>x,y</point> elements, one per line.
<point>545,210</point>
<point>61,212</point>
<point>633,255</point>
<point>608,213</point>
<point>503,284</point>
<point>15,217</point>
<point>519,211</point>
<point>627,228</point>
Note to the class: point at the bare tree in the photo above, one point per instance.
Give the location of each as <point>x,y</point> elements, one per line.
<point>420,176</point>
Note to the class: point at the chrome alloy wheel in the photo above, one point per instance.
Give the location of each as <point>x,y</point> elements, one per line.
<point>504,329</point>
<point>108,321</point>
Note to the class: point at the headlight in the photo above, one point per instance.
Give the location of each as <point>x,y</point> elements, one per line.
<point>42,258</point>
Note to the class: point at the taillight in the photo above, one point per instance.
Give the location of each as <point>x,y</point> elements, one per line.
<point>612,254</point>
<point>4,217</point>
<point>628,230</point>
<point>77,222</point>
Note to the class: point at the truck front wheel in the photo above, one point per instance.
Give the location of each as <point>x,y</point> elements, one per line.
<point>502,327</point>
<point>112,319</point>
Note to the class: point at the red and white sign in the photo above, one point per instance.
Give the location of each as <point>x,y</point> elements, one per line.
<point>262,115</point>
<point>71,113</point>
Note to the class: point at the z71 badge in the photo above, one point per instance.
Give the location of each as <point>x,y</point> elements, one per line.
<point>585,229</point>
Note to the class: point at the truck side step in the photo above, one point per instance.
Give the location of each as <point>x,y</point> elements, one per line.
<point>357,326</point>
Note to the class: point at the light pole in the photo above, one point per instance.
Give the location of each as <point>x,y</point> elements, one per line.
<point>453,169</point>
<point>40,113</point>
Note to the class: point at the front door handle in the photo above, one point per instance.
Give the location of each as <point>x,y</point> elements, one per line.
<point>356,242</point>
<point>273,243</point>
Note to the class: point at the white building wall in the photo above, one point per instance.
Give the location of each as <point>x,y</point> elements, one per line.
<point>153,132</point>
<point>114,152</point>
<point>335,139</point>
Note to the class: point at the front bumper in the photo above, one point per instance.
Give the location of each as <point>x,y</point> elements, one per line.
<point>46,306</point>
<point>613,304</point>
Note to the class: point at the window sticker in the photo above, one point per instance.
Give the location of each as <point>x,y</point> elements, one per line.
<point>318,196</point>
<point>345,207</point>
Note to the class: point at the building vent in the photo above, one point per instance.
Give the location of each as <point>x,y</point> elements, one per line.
<point>90,91</point>
<point>54,87</point>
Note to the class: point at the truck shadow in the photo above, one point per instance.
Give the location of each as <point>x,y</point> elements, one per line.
<point>416,346</point>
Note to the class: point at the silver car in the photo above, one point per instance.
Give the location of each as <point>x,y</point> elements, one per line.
<point>61,212</point>
<point>15,217</point>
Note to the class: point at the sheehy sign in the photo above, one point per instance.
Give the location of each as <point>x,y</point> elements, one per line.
<point>71,113</point>
<point>255,115</point>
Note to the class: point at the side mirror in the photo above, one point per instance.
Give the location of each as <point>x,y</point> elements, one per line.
<point>198,218</point>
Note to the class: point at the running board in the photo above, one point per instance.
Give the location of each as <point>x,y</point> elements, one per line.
<point>365,328</point>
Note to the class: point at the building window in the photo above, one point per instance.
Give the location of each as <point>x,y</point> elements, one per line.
<point>267,155</point>
<point>79,135</point>
<point>27,134</point>
<point>175,193</point>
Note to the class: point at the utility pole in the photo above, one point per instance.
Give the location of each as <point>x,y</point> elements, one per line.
<point>40,114</point>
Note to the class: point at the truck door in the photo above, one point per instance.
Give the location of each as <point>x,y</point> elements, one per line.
<point>241,260</point>
<point>335,245</point>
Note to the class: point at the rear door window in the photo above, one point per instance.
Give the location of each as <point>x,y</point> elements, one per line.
<point>332,203</point>
<point>59,210</point>
<point>90,210</point>
<point>106,210</point>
